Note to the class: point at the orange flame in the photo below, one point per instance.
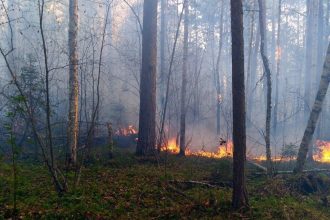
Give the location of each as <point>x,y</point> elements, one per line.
<point>260,158</point>
<point>171,147</point>
<point>322,154</point>
<point>323,151</point>
<point>225,150</point>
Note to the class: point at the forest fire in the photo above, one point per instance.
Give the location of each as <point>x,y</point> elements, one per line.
<point>129,130</point>
<point>224,150</point>
<point>171,147</point>
<point>323,152</point>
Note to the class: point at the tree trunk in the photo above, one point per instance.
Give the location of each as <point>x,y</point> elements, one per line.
<point>217,73</point>
<point>320,41</point>
<point>320,53</point>
<point>110,139</point>
<point>314,69</point>
<point>184,81</point>
<point>163,28</point>
<point>273,40</point>
<point>147,117</point>
<point>198,60</point>
<point>254,66</point>
<point>314,115</point>
<point>309,49</point>
<point>73,81</point>
<point>249,63</point>
<point>262,21</point>
<point>239,196</point>
<point>278,64</point>
<point>328,19</point>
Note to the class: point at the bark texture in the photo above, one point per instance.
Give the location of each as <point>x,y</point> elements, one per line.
<point>250,54</point>
<point>73,81</point>
<point>217,73</point>
<point>184,81</point>
<point>239,197</point>
<point>278,64</point>
<point>309,48</point>
<point>314,115</point>
<point>163,28</point>
<point>147,117</point>
<point>320,54</point>
<point>253,73</point>
<point>263,51</point>
<point>110,139</point>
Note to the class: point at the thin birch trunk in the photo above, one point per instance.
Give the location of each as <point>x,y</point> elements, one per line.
<point>314,115</point>
<point>217,73</point>
<point>262,21</point>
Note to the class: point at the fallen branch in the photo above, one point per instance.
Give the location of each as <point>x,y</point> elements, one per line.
<point>192,183</point>
<point>257,165</point>
<point>291,172</point>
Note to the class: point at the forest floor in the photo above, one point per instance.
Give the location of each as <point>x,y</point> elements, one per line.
<point>127,187</point>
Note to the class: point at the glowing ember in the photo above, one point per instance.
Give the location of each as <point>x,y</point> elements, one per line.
<point>323,152</point>
<point>130,130</point>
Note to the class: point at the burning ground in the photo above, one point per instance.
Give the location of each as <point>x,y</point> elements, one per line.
<point>225,149</point>
<point>222,148</point>
<point>168,188</point>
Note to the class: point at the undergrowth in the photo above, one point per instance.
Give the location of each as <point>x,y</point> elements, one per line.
<point>133,188</point>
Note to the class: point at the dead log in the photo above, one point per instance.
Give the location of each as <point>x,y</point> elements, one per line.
<point>192,183</point>
<point>291,172</point>
<point>257,165</point>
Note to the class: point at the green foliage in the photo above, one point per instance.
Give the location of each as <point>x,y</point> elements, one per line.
<point>18,99</point>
